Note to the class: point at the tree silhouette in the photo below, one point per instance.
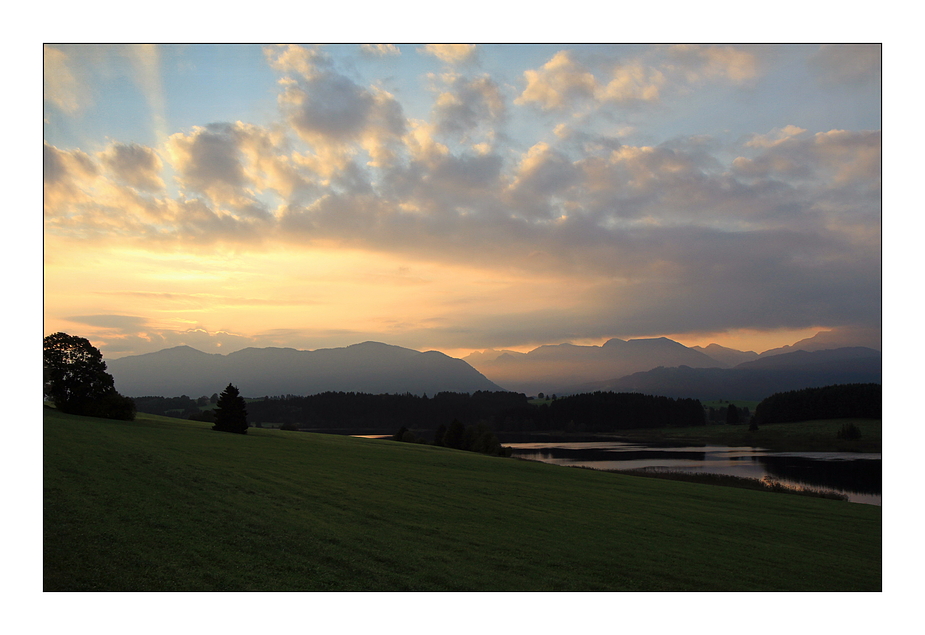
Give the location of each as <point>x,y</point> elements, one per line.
<point>75,378</point>
<point>439,434</point>
<point>455,435</point>
<point>231,412</point>
<point>732,415</point>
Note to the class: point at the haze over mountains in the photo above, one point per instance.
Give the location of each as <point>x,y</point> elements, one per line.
<point>757,379</point>
<point>555,368</point>
<point>657,366</point>
<point>369,367</point>
<point>622,366</point>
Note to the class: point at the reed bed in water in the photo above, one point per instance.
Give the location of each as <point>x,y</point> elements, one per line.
<point>765,484</point>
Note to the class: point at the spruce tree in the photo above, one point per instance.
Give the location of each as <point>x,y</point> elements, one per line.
<point>231,412</point>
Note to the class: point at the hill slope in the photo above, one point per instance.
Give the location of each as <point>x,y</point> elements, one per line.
<point>165,505</point>
<point>368,367</point>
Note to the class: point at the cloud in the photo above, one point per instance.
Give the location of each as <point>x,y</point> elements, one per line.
<point>849,64</point>
<point>331,112</point>
<point>132,342</point>
<point>558,83</point>
<point>208,161</point>
<point>135,165</point>
<point>467,104</point>
<point>696,63</point>
<point>450,53</point>
<point>66,177</point>
<point>229,163</point>
<point>565,82</point>
<point>541,174</point>
<point>62,86</point>
<point>775,137</point>
<point>835,159</point>
<point>117,322</point>
<point>145,60</point>
<point>380,50</point>
<point>632,82</point>
<point>778,228</point>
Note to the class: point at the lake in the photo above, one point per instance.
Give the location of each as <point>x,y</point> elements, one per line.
<point>856,475</point>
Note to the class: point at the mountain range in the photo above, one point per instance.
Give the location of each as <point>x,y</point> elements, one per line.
<point>657,366</point>
<point>567,368</point>
<point>756,379</point>
<point>369,367</point>
<point>553,368</point>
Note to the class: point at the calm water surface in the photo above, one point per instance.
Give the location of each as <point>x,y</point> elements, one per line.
<point>857,475</point>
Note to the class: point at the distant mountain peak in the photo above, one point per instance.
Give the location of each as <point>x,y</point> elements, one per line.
<point>726,356</point>
<point>182,349</point>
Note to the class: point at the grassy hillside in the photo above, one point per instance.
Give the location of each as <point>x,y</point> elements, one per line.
<point>163,504</point>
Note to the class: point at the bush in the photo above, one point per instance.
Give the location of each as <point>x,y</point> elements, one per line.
<point>112,405</point>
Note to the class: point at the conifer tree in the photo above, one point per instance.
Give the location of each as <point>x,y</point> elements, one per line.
<point>231,412</point>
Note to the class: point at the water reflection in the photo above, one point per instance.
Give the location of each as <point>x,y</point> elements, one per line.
<point>858,476</point>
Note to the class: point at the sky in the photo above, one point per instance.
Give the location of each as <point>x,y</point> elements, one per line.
<point>460,197</point>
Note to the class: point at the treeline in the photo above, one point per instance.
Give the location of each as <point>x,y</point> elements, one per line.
<point>497,411</point>
<point>610,411</point>
<point>730,415</point>
<point>500,411</point>
<point>183,407</point>
<point>477,438</point>
<point>841,401</point>
<point>383,412</point>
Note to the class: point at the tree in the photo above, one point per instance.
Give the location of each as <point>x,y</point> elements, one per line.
<point>439,434</point>
<point>732,415</point>
<point>75,379</point>
<point>231,412</point>
<point>454,437</point>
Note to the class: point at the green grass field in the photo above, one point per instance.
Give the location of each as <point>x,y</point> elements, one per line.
<point>167,505</point>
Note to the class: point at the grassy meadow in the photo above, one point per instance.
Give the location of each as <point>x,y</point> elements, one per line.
<point>163,504</point>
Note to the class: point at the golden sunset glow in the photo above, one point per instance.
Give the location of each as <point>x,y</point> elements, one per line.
<point>460,197</point>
